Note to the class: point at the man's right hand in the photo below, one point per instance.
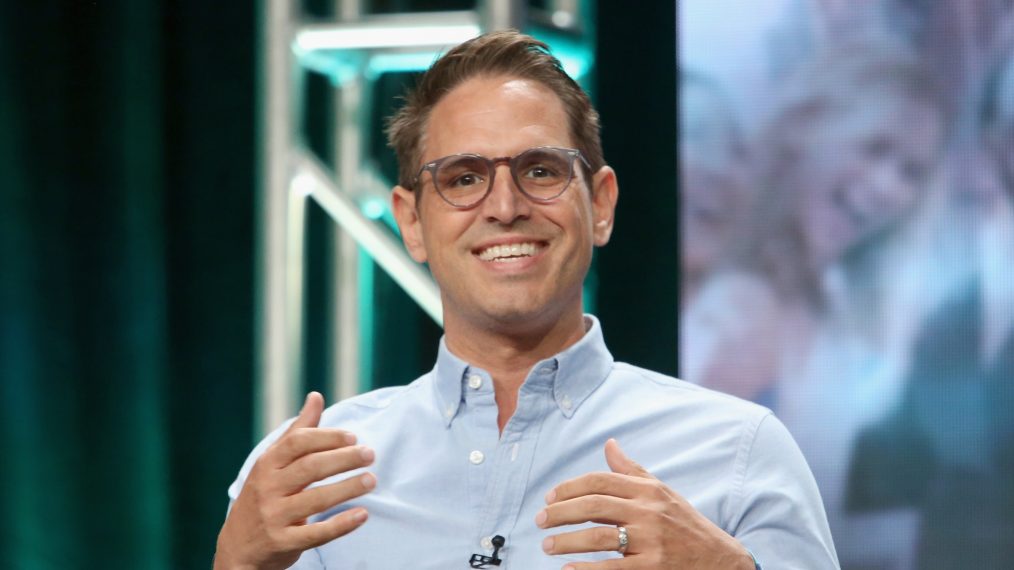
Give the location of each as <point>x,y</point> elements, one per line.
<point>267,525</point>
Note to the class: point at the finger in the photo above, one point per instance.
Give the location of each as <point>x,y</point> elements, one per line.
<point>319,533</point>
<point>620,463</point>
<point>600,483</point>
<point>316,500</point>
<point>313,467</point>
<point>303,441</point>
<point>590,508</point>
<point>595,539</point>
<point>309,416</point>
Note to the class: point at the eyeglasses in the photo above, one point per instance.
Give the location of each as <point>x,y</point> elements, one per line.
<point>542,174</point>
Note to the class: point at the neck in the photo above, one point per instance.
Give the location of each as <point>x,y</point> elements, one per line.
<point>508,351</point>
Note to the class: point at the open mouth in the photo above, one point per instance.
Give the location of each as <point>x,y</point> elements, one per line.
<point>510,252</point>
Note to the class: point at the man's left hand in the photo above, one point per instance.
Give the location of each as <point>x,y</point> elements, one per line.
<point>664,530</point>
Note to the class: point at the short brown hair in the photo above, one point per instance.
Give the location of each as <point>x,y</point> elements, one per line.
<point>507,53</point>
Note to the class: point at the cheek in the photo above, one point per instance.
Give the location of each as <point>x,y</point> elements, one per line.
<point>809,187</point>
<point>905,195</point>
<point>443,227</point>
<point>439,244</point>
<point>583,223</point>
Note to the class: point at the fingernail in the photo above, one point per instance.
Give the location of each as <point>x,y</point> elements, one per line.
<point>551,496</point>
<point>547,545</point>
<point>540,518</point>
<point>350,439</point>
<point>368,480</point>
<point>367,454</point>
<point>359,516</point>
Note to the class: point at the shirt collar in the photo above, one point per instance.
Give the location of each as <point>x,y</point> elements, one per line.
<point>574,373</point>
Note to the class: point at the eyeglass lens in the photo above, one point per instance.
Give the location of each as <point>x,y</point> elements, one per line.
<point>541,173</point>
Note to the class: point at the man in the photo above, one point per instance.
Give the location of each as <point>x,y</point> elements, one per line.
<point>947,447</point>
<point>516,434</point>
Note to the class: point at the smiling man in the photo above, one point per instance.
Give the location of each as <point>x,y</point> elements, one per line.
<point>508,453</point>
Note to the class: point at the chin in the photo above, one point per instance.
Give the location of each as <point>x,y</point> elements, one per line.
<point>521,315</point>
<point>512,314</point>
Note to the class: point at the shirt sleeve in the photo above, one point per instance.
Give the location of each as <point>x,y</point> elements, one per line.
<point>780,517</point>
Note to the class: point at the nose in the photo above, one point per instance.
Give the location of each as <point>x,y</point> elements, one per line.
<point>505,203</point>
<point>891,191</point>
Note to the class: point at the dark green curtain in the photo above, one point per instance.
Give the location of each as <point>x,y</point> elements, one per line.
<point>636,96</point>
<point>126,274</point>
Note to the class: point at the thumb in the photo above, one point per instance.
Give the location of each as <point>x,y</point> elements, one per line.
<point>620,463</point>
<point>309,416</point>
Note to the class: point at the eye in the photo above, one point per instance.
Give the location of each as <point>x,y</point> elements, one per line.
<point>465,180</point>
<point>540,171</point>
<point>462,173</point>
<point>543,167</point>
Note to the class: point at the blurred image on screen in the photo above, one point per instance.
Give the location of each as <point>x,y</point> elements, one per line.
<point>848,256</point>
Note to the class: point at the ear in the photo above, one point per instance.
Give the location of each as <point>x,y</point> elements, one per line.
<point>407,216</point>
<point>605,192</point>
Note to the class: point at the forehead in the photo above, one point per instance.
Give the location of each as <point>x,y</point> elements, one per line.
<point>495,116</point>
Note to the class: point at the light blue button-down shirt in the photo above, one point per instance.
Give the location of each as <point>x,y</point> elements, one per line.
<point>447,480</point>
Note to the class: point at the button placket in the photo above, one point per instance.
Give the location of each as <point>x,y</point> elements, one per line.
<point>510,462</point>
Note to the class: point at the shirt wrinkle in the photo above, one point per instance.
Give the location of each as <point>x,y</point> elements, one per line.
<point>741,465</point>
<point>382,397</point>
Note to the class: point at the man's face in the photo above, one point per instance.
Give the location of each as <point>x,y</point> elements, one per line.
<point>865,170</point>
<point>482,283</point>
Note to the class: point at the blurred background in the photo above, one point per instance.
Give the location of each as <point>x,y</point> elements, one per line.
<point>847,229</point>
<point>134,213</point>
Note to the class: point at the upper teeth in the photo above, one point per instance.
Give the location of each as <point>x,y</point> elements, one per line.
<point>512,250</point>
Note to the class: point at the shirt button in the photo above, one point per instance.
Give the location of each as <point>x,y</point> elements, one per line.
<point>474,381</point>
<point>565,402</point>
<point>486,543</point>
<point>476,457</point>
